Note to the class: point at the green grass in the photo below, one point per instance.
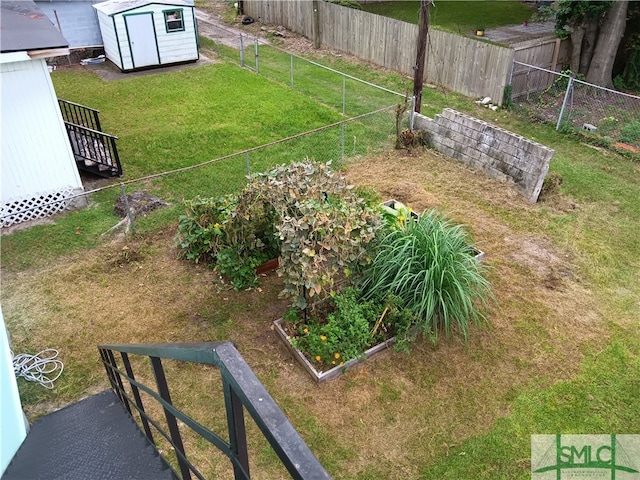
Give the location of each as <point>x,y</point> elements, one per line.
<point>157,132</point>
<point>602,398</point>
<point>457,16</point>
<point>168,121</point>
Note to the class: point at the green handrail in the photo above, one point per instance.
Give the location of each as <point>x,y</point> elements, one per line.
<point>241,389</point>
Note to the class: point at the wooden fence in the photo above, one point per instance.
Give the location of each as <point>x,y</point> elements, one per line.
<point>465,65</point>
<point>549,53</point>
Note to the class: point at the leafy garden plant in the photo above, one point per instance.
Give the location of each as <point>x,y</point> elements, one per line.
<point>413,273</point>
<point>345,326</point>
<point>304,212</point>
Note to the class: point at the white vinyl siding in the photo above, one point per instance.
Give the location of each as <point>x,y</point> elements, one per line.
<point>35,151</point>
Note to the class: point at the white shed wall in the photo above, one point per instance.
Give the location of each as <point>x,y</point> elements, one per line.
<point>37,162</point>
<point>173,47</point>
<point>177,46</point>
<point>109,39</point>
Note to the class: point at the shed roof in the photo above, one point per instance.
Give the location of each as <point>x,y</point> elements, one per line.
<point>112,7</point>
<point>23,27</point>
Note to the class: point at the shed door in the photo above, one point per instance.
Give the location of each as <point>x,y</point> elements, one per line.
<point>142,40</point>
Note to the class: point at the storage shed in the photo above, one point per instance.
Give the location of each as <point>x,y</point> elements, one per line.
<point>145,33</point>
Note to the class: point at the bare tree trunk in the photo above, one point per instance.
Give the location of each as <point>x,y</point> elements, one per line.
<point>604,55</point>
<point>588,46</point>
<point>576,47</point>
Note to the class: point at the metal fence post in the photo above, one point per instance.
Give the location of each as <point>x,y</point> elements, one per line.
<point>344,95</point>
<point>241,52</point>
<point>564,103</point>
<point>513,64</point>
<point>257,61</point>
<point>342,141</point>
<point>291,71</point>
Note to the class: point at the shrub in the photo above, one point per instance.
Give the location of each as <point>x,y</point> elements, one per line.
<point>429,264</point>
<point>200,236</point>
<point>630,133</point>
<point>304,212</point>
<point>213,232</point>
<point>323,225</point>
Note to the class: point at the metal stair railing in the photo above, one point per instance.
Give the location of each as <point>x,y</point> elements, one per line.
<point>80,114</point>
<point>242,390</point>
<point>94,151</point>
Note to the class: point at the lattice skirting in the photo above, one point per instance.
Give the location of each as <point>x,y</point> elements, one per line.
<point>39,205</point>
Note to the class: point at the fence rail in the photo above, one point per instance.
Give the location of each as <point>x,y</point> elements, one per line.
<point>241,389</point>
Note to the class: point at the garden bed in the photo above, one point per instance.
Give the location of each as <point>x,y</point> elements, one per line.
<point>323,376</point>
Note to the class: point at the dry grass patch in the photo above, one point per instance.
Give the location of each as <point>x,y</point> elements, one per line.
<point>387,418</point>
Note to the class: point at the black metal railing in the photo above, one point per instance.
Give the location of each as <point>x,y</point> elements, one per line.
<point>80,115</point>
<point>94,151</point>
<point>241,389</point>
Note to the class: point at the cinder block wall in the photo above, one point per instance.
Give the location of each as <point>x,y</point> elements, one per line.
<point>497,152</point>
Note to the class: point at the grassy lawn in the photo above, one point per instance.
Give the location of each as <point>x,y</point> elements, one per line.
<point>456,16</point>
<point>175,120</point>
<point>562,354</point>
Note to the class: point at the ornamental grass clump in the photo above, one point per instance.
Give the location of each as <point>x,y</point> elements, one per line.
<point>429,265</point>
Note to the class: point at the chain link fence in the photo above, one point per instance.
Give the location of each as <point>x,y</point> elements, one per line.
<point>369,127</point>
<point>574,105</point>
<point>341,91</point>
<point>340,142</point>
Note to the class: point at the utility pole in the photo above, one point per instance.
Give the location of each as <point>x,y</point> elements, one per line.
<point>418,77</point>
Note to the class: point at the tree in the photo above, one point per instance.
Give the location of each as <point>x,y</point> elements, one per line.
<point>611,33</point>
<point>583,18</point>
<point>596,28</point>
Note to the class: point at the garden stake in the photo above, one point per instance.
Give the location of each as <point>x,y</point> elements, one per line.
<point>128,210</point>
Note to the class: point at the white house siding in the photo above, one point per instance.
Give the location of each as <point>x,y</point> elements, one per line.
<point>12,421</point>
<point>173,47</point>
<point>37,166</point>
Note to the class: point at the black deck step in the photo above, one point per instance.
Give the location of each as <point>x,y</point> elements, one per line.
<point>95,439</point>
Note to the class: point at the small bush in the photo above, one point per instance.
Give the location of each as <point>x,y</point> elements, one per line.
<point>630,133</point>
<point>200,236</point>
<point>429,264</point>
<point>212,232</point>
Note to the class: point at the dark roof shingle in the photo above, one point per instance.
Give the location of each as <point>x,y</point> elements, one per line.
<point>23,27</point>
